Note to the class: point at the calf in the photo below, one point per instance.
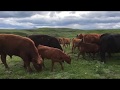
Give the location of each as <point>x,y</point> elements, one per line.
<point>75,42</point>
<point>56,55</point>
<point>60,39</point>
<point>66,42</point>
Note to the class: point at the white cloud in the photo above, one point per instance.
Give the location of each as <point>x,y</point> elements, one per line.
<point>68,19</point>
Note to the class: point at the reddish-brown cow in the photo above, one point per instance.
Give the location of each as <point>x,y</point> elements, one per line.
<point>90,38</point>
<point>80,36</point>
<point>60,39</point>
<point>87,48</point>
<point>66,42</point>
<point>23,47</point>
<point>55,54</point>
<point>75,42</point>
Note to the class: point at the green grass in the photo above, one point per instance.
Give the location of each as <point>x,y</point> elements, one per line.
<point>78,69</point>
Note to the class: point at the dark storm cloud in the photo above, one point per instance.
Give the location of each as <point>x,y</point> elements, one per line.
<point>9,14</point>
<point>100,14</point>
<point>18,14</point>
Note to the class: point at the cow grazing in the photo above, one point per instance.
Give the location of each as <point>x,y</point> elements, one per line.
<point>87,48</point>
<point>56,55</point>
<point>109,43</point>
<point>23,47</point>
<point>45,40</point>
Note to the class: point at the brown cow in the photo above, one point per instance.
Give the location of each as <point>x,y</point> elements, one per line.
<point>66,42</point>
<point>60,39</point>
<point>75,42</point>
<point>87,48</point>
<point>80,36</point>
<point>23,47</point>
<point>90,38</point>
<point>55,54</point>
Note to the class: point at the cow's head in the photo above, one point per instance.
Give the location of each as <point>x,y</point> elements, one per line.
<point>38,64</point>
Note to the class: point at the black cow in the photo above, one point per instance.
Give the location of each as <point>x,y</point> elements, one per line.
<point>45,40</point>
<point>109,43</point>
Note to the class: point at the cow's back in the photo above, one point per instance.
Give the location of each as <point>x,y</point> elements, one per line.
<point>48,52</point>
<point>110,42</point>
<point>45,40</point>
<point>53,53</point>
<point>13,43</point>
<point>92,38</point>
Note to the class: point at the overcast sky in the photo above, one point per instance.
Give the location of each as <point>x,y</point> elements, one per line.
<point>60,19</point>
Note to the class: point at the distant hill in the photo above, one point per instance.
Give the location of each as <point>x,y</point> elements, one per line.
<point>57,32</point>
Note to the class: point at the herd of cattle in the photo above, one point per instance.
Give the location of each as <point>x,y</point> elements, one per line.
<point>35,48</point>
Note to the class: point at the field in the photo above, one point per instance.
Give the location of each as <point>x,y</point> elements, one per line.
<point>78,69</point>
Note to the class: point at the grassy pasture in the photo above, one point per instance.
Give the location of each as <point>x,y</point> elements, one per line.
<point>79,69</point>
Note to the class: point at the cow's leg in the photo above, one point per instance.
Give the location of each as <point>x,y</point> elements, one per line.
<point>83,55</point>
<point>27,63</point>
<point>93,57</point>
<point>63,45</point>
<point>103,50</point>
<point>3,59</point>
<point>109,54</point>
<point>72,48</point>
<point>89,54</point>
<point>61,65</point>
<point>52,66</point>
<point>78,55</point>
<point>102,55</point>
<point>43,63</point>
